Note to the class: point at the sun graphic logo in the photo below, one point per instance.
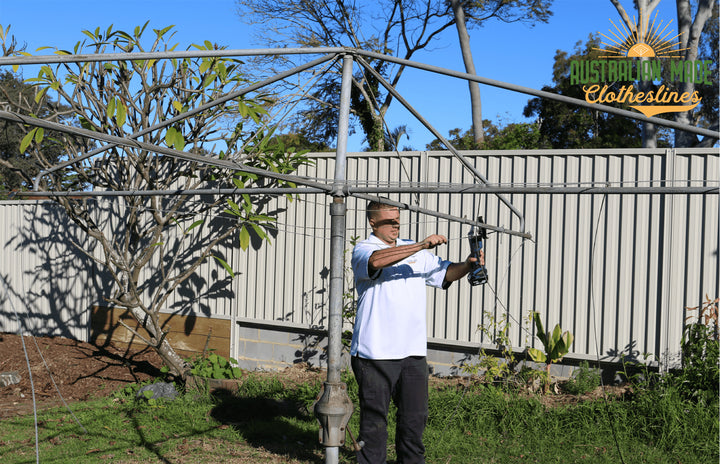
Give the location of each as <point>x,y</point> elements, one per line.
<point>641,50</point>
<point>641,39</point>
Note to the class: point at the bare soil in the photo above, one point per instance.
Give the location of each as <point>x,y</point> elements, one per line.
<point>79,370</point>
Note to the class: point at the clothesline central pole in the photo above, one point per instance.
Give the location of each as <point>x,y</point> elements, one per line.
<point>334,407</point>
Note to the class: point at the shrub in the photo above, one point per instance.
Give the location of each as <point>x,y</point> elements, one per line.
<point>701,350</point>
<point>215,367</point>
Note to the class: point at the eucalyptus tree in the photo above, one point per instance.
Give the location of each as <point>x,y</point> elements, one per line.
<point>475,13</point>
<point>692,19</point>
<point>400,28</point>
<point>152,246</point>
<point>569,126</point>
<point>708,114</point>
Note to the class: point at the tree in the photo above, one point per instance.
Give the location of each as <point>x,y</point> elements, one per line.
<point>690,30</point>
<point>707,115</point>
<point>645,7</point>
<point>569,126</point>
<point>397,27</point>
<point>17,169</point>
<point>475,99</point>
<point>393,137</point>
<point>151,246</point>
<point>476,13</point>
<point>458,139</point>
<point>511,136</point>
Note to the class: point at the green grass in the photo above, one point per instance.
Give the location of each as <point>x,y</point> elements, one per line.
<point>492,426</point>
<point>267,422</point>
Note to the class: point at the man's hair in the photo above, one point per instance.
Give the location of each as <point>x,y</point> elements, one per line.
<point>374,206</point>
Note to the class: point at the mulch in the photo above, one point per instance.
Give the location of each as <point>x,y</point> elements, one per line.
<point>80,370</point>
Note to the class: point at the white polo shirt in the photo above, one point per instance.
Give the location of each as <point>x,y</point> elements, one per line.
<point>391,320</point>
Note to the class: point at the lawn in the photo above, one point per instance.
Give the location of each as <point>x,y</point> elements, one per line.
<point>267,420</point>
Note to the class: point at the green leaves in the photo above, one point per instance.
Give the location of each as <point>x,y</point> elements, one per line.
<point>244,238</point>
<point>216,367</point>
<point>205,65</point>
<point>250,220</point>
<point>537,355</point>
<point>224,264</point>
<point>178,106</point>
<point>250,109</point>
<point>111,108</point>
<point>194,225</point>
<point>174,139</point>
<point>35,134</point>
<point>557,344</point>
<point>117,109</point>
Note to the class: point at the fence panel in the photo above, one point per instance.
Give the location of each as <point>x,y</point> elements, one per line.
<point>47,281</point>
<point>616,270</point>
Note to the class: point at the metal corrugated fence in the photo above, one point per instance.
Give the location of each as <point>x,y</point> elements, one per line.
<point>44,279</point>
<point>615,270</point>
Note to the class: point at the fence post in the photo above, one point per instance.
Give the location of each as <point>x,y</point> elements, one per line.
<point>669,336</point>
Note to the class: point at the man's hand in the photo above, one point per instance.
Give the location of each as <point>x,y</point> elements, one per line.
<point>471,260</point>
<point>457,270</point>
<point>434,240</point>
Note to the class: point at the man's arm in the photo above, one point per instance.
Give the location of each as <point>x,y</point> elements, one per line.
<point>389,256</point>
<point>458,270</point>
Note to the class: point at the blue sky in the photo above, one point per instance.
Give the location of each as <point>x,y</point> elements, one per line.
<point>514,53</point>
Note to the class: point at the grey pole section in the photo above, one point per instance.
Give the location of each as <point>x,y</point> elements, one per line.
<point>337,226</point>
<point>334,408</point>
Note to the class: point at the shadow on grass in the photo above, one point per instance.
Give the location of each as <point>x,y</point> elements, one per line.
<point>280,426</point>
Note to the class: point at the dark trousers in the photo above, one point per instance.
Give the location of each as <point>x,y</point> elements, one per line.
<point>405,381</point>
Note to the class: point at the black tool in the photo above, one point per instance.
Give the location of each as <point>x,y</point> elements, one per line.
<point>477,237</point>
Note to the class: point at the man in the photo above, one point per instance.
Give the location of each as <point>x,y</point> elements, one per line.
<point>389,344</point>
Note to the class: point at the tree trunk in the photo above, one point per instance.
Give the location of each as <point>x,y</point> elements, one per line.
<point>690,31</point>
<point>649,130</point>
<point>464,39</point>
<point>159,343</point>
<point>645,7</point>
<point>177,365</point>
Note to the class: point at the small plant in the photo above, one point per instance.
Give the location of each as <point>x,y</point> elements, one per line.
<point>530,378</point>
<point>494,367</point>
<point>701,350</point>
<point>556,344</point>
<point>583,380</point>
<point>638,372</point>
<point>129,391</point>
<point>152,402</point>
<point>215,367</point>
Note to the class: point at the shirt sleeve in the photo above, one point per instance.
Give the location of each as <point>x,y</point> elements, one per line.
<point>435,270</point>
<point>360,260</point>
